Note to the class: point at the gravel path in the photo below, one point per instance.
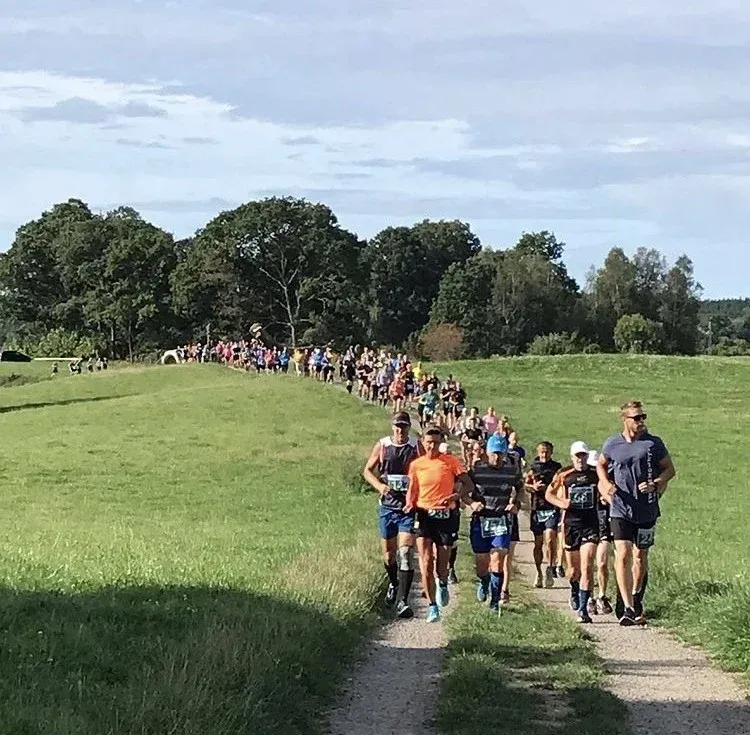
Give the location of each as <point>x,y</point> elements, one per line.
<point>670,688</point>
<point>394,686</point>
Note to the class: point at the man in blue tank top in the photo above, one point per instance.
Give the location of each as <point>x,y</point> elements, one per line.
<point>386,472</point>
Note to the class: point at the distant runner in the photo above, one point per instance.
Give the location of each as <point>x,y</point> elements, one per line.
<point>634,470</point>
<point>433,480</point>
<point>387,472</point>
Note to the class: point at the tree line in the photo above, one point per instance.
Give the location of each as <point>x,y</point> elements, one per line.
<point>76,282</point>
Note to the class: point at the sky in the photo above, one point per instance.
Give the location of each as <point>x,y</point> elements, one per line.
<point>623,124</point>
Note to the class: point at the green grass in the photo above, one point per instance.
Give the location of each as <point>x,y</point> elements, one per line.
<point>699,583</point>
<point>529,672</point>
<point>184,550</point>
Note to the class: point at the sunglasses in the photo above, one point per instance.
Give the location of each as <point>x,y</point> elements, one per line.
<point>639,417</point>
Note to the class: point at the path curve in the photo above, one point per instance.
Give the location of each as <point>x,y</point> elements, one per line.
<point>393,688</point>
<point>669,688</point>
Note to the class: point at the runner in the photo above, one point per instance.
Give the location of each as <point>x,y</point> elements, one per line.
<point>634,471</point>
<point>545,518</point>
<point>427,406</point>
<point>387,471</point>
<point>433,480</point>
<point>498,483</point>
<point>574,491</point>
<point>601,605</point>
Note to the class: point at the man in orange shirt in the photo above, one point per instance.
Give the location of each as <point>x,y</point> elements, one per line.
<point>433,480</point>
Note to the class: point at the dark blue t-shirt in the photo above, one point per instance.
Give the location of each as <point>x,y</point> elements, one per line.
<point>630,464</point>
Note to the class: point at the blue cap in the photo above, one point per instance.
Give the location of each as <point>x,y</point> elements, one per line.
<point>498,444</point>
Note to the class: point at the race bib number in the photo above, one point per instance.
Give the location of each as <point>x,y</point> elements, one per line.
<point>542,516</point>
<point>645,537</point>
<point>494,527</point>
<point>440,514</point>
<point>397,483</point>
<point>582,498</point>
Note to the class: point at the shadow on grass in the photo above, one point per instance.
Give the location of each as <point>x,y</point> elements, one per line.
<point>65,402</point>
<point>168,660</point>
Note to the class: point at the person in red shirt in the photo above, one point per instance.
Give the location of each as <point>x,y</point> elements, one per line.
<point>434,480</point>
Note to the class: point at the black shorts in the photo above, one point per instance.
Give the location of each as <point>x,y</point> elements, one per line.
<point>578,535</point>
<point>442,530</point>
<point>605,529</point>
<point>640,534</point>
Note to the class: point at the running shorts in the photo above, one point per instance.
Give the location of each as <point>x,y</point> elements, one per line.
<point>487,534</point>
<point>547,519</point>
<point>438,525</point>
<point>579,535</point>
<point>640,534</point>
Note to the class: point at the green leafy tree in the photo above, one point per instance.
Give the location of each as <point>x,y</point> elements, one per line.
<point>282,261</point>
<point>679,308</point>
<point>406,267</point>
<point>637,334</point>
<point>464,298</point>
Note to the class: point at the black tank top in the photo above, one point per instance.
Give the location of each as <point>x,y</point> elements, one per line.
<point>394,467</point>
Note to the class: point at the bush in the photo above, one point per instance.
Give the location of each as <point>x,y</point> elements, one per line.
<point>441,342</point>
<point>60,343</point>
<point>727,347</point>
<point>634,333</point>
<point>561,343</point>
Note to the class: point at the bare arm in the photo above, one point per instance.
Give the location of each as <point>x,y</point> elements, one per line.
<point>552,495</point>
<point>465,487</point>
<point>371,468</point>
<point>606,487</point>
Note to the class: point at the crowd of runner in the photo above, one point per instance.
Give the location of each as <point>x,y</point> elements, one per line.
<point>579,513</point>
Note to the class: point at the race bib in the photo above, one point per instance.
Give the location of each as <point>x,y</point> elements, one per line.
<point>439,513</point>
<point>645,537</point>
<point>397,483</point>
<point>494,527</point>
<point>582,498</point>
<point>542,516</point>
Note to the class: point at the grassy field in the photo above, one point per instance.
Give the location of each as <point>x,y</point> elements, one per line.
<point>531,672</point>
<point>183,550</point>
<point>700,571</point>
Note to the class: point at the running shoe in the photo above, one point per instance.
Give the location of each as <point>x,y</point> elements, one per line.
<point>549,579</point>
<point>592,608</point>
<point>584,617</point>
<point>444,595</point>
<point>640,619</point>
<point>504,597</point>
<point>539,580</point>
<point>628,618</point>
<point>554,571</point>
<point>390,595</point>
<point>403,610</point>
<point>452,578</point>
<point>603,605</point>
<point>481,592</point>
<point>638,603</point>
<point>433,614</point>
<point>575,600</point>
<point>561,571</point>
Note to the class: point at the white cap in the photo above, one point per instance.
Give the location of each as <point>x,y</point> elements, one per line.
<point>578,447</point>
<point>593,457</point>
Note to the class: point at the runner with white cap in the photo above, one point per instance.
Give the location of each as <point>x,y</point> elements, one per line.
<point>574,490</point>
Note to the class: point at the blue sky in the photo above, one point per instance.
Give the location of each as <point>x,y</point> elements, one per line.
<point>611,126</point>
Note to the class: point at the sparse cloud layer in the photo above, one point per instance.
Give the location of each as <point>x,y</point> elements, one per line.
<point>610,125</point>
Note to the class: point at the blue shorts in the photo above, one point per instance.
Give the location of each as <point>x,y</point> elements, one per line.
<point>549,521</point>
<point>393,522</point>
<point>481,544</point>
